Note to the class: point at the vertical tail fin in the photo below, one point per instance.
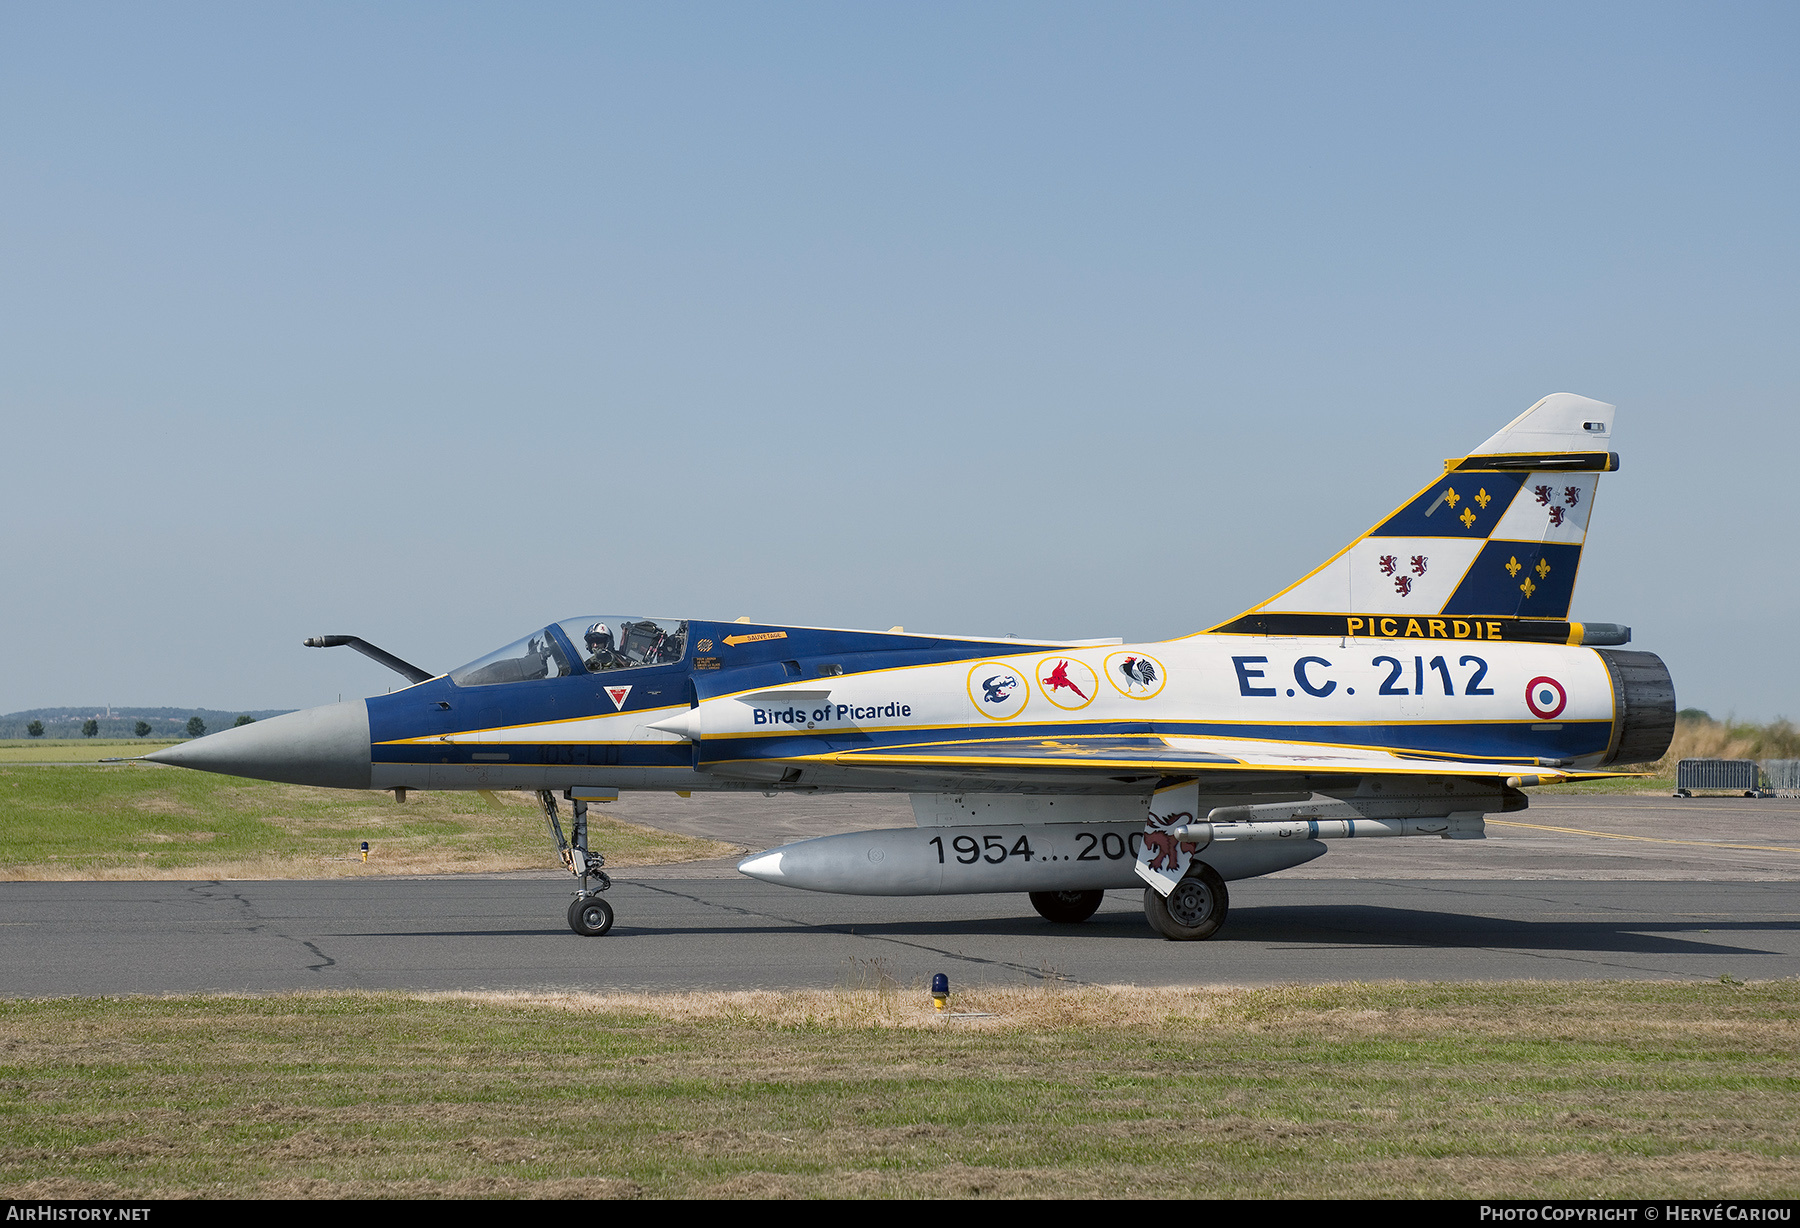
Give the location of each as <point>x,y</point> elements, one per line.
<point>1492,546</point>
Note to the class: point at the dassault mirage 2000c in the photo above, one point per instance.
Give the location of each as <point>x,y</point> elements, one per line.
<point>1415,682</point>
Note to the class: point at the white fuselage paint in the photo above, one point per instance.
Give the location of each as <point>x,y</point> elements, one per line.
<point>1249,686</point>
<point>1217,680</point>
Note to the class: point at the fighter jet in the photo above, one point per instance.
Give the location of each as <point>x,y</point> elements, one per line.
<point>1418,680</point>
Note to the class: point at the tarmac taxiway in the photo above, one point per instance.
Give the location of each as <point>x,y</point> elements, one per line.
<point>1575,887</point>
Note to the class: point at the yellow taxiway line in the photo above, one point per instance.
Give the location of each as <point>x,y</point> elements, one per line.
<point>1607,835</point>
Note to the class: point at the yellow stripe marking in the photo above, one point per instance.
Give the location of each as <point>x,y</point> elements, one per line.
<point>861,758</point>
<point>1607,835</point>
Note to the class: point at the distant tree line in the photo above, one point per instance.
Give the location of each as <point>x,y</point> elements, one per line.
<point>158,723</point>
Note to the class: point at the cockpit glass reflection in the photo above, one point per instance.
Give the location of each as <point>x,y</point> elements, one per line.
<point>602,643</point>
<point>535,656</point>
<point>609,642</point>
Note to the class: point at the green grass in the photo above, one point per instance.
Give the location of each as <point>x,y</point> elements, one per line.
<point>74,750</point>
<point>1657,784</point>
<point>1518,1090</point>
<point>144,822</point>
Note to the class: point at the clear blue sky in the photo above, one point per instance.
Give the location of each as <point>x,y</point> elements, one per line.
<point>433,323</point>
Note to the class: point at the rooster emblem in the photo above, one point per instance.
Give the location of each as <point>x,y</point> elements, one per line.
<point>1138,671</point>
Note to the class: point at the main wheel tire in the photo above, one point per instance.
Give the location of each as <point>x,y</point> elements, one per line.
<point>1066,907</point>
<point>590,916</point>
<point>1195,909</point>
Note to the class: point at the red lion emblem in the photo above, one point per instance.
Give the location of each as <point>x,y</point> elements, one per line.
<point>1168,849</point>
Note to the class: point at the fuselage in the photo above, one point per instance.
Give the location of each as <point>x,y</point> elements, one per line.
<point>762,713</point>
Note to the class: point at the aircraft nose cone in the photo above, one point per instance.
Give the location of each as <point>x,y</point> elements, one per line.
<point>326,746</point>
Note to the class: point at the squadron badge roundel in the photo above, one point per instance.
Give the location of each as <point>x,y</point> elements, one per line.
<point>1134,675</point>
<point>999,692</point>
<point>1066,682</point>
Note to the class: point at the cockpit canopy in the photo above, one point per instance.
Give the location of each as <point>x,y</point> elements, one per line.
<point>591,644</point>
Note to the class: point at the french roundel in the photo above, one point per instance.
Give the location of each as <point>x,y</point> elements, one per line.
<point>1546,698</point>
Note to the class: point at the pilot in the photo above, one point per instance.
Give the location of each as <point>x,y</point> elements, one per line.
<point>600,645</point>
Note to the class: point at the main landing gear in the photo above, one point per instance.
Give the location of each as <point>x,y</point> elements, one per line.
<point>1195,909</point>
<point>589,915</point>
<point>1066,907</point>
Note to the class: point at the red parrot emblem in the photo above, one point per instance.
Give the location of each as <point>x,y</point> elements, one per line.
<point>1059,678</point>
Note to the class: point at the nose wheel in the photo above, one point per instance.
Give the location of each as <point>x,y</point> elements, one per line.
<point>589,915</point>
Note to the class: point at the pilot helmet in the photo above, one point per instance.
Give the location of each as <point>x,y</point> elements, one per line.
<point>598,637</point>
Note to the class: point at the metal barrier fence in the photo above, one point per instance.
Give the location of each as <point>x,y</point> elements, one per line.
<point>1738,775</point>
<point>1784,776</point>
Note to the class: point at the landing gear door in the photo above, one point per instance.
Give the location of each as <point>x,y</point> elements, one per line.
<point>1163,860</point>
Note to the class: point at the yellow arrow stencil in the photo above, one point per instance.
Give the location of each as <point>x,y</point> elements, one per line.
<point>735,640</point>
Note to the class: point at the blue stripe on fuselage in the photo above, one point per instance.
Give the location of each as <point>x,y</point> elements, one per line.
<point>440,707</point>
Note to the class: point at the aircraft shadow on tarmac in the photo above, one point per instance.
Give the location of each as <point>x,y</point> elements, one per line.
<point>1357,925</point>
<point>1373,925</point>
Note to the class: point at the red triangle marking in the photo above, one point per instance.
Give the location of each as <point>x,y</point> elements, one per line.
<point>618,694</point>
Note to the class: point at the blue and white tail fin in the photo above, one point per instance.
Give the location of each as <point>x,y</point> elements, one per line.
<point>1489,550</point>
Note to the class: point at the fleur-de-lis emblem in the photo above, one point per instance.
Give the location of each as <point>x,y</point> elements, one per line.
<point>1528,587</point>
<point>1482,497</point>
<point>1543,568</point>
<point>1450,496</point>
<point>1513,565</point>
<point>1467,517</point>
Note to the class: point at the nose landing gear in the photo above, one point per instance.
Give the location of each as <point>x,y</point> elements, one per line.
<point>589,915</point>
